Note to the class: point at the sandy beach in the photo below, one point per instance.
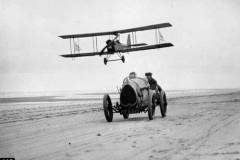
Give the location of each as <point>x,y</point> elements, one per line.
<point>197,126</point>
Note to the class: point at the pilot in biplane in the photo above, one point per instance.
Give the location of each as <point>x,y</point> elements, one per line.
<point>110,46</point>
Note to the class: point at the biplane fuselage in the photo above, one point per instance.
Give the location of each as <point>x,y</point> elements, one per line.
<point>114,46</point>
<point>119,47</point>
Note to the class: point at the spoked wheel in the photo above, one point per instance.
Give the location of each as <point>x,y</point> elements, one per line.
<point>107,107</point>
<point>162,104</point>
<point>125,114</point>
<point>151,105</point>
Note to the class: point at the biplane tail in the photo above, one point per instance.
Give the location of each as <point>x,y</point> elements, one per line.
<point>130,45</point>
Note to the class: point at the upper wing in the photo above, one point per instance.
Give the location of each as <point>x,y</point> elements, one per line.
<point>162,25</point>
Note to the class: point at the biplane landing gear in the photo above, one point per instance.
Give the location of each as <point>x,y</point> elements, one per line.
<point>122,58</point>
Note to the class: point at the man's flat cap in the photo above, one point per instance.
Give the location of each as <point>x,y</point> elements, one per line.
<point>148,74</point>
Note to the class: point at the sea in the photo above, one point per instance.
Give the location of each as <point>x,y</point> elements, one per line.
<point>91,97</point>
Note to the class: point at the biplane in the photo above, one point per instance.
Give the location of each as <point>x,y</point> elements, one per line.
<point>114,45</point>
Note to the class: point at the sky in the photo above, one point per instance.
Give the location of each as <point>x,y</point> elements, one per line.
<point>205,35</point>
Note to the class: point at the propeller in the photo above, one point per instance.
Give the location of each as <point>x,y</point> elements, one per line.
<point>108,44</point>
<point>105,47</point>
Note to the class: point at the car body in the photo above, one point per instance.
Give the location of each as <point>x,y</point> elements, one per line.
<point>135,97</point>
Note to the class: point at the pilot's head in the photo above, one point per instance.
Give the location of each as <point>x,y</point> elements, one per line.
<point>132,75</point>
<point>108,41</point>
<point>148,75</point>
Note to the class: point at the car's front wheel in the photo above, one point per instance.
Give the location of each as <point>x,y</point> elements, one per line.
<point>107,107</point>
<point>151,105</point>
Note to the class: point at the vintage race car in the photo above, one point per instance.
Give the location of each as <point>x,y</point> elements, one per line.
<point>135,97</point>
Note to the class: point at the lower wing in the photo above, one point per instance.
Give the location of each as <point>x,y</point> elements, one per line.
<point>163,45</point>
<point>80,55</point>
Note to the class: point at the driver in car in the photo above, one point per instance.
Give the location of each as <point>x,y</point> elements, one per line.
<point>132,75</point>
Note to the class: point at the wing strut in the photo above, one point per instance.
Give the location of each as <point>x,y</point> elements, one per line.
<point>95,44</point>
<point>73,58</point>
<point>158,37</point>
<point>74,47</point>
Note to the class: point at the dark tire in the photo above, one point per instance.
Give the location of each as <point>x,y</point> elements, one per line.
<point>123,59</point>
<point>162,106</point>
<point>107,107</point>
<point>125,114</point>
<point>165,103</point>
<point>151,105</point>
<point>105,61</point>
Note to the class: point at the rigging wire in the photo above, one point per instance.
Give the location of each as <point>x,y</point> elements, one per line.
<point>160,36</point>
<point>78,45</point>
<point>119,54</point>
<point>108,56</point>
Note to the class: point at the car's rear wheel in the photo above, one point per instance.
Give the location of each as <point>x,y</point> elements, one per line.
<point>151,105</point>
<point>107,107</point>
<point>165,103</point>
<point>162,105</point>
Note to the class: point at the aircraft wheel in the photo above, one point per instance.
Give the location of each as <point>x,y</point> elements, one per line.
<point>105,61</point>
<point>123,59</point>
<point>162,104</point>
<point>125,114</point>
<point>151,105</point>
<point>107,107</point>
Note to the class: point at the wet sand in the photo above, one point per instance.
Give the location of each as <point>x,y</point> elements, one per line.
<point>196,127</point>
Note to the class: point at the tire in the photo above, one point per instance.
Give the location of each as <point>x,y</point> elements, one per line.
<point>105,61</point>
<point>123,59</point>
<point>107,107</point>
<point>165,102</point>
<point>125,115</point>
<point>151,105</point>
<point>162,105</point>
